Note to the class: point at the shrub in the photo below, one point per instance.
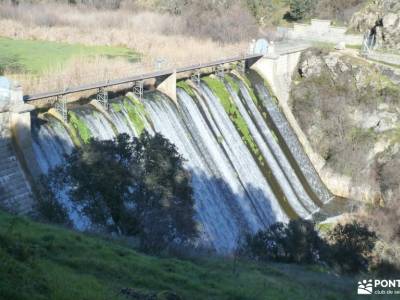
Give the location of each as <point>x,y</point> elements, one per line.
<point>49,209</point>
<point>301,9</point>
<point>351,247</point>
<point>341,10</point>
<point>296,242</point>
<point>219,21</point>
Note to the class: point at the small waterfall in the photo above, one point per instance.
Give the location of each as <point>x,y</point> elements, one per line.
<point>51,142</point>
<point>247,173</point>
<point>310,175</point>
<point>272,152</point>
<point>98,125</point>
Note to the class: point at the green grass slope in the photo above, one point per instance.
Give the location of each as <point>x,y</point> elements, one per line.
<point>36,56</point>
<point>46,262</point>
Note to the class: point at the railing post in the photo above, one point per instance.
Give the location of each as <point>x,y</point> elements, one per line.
<point>138,89</point>
<point>196,77</point>
<point>61,107</point>
<point>241,66</point>
<point>220,71</point>
<point>102,97</point>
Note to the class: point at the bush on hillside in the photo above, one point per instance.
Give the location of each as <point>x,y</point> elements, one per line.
<point>296,242</point>
<point>348,248</point>
<point>219,21</point>
<point>48,207</point>
<point>341,10</point>
<point>301,9</point>
<point>351,247</point>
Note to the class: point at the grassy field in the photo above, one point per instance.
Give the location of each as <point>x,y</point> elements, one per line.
<point>36,56</point>
<point>46,262</point>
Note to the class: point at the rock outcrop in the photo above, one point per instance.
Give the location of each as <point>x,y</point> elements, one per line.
<point>382,17</point>
<point>349,110</point>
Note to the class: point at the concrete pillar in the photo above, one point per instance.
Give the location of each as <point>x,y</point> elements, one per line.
<point>267,67</point>
<point>167,85</point>
<point>20,124</point>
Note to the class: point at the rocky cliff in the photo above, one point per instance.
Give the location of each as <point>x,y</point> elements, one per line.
<point>349,110</point>
<point>383,18</point>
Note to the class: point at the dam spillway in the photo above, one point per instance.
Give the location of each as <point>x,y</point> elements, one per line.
<point>248,169</point>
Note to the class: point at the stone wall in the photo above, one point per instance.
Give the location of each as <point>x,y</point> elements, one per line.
<point>15,191</point>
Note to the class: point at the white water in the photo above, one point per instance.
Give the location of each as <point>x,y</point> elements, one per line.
<point>51,142</point>
<point>278,162</point>
<point>97,123</point>
<point>293,144</point>
<point>232,195</point>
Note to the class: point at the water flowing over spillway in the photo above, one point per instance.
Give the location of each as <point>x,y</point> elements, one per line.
<point>248,169</point>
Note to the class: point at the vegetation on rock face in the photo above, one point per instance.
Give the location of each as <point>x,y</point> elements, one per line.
<point>131,186</point>
<point>348,108</point>
<point>382,18</point>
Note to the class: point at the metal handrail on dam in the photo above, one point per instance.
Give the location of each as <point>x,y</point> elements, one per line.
<point>141,77</point>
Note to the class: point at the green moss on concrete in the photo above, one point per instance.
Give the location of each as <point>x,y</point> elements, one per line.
<point>117,107</point>
<point>186,87</point>
<point>249,87</point>
<point>80,127</point>
<point>136,112</point>
<point>232,83</point>
<point>223,95</point>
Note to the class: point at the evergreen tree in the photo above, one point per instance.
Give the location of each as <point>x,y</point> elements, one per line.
<point>301,9</point>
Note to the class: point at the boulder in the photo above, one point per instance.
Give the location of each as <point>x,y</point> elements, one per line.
<point>383,18</point>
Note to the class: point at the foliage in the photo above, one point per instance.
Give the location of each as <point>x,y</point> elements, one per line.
<point>218,20</point>
<point>40,262</point>
<point>301,9</point>
<point>297,242</point>
<point>49,209</point>
<point>347,248</point>
<point>164,195</point>
<point>132,186</point>
<point>351,246</point>
<point>267,11</point>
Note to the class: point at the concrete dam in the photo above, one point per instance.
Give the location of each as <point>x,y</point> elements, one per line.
<point>247,161</point>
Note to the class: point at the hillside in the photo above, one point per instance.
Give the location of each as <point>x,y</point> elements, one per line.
<point>45,262</point>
